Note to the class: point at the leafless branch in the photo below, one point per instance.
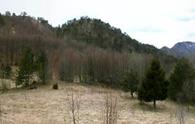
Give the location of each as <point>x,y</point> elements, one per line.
<point>75,107</point>
<point>111,110</point>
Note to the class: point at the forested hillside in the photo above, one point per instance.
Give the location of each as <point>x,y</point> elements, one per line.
<point>84,42</point>
<point>18,32</point>
<point>101,34</point>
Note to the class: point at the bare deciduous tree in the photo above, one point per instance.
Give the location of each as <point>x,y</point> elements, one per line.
<point>181,114</point>
<point>110,114</point>
<point>74,102</point>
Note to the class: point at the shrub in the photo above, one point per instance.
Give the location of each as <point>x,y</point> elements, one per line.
<point>55,86</point>
<point>33,85</point>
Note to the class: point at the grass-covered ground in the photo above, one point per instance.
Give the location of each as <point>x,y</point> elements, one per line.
<point>47,106</point>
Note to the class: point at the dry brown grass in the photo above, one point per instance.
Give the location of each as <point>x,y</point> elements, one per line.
<point>47,106</point>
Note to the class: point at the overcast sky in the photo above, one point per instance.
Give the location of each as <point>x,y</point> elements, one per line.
<point>156,22</point>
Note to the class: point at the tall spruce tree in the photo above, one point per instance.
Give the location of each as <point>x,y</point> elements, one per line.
<point>26,68</point>
<point>154,86</point>
<point>181,80</point>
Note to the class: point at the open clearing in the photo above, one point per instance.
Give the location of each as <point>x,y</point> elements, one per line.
<point>47,106</point>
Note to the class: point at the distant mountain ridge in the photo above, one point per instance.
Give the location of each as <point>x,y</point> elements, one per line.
<point>180,49</point>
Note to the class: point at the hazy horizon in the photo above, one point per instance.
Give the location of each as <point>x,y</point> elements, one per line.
<point>156,22</point>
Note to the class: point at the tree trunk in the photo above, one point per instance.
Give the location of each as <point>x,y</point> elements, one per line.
<point>154,103</point>
<point>188,107</point>
<point>131,94</point>
<point>80,78</point>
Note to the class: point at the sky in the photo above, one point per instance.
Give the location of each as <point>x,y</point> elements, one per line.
<point>156,22</point>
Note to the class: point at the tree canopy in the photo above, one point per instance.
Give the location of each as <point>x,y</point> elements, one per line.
<point>26,68</point>
<point>183,73</point>
<point>154,85</point>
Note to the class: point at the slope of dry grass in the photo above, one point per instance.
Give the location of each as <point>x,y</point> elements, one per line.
<point>47,106</point>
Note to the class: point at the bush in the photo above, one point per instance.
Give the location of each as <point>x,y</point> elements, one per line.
<point>33,85</point>
<point>55,86</point>
<point>6,71</point>
<point>130,82</point>
<point>26,68</point>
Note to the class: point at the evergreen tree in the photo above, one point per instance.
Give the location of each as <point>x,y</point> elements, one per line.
<point>154,86</point>
<point>181,80</point>
<point>130,82</point>
<point>2,22</point>
<point>42,67</point>
<point>26,68</point>
<point>5,71</point>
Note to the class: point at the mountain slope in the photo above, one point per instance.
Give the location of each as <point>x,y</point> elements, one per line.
<point>101,34</point>
<point>85,30</point>
<point>17,32</point>
<point>87,48</point>
<point>181,49</point>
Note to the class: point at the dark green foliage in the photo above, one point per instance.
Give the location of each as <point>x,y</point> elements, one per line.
<point>42,20</point>
<point>2,22</point>
<point>42,66</point>
<point>59,31</point>
<point>5,71</point>
<point>101,34</point>
<point>130,82</point>
<point>154,86</point>
<point>181,79</point>
<point>26,68</point>
<point>31,63</point>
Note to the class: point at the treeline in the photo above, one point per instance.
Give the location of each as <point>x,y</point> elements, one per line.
<point>179,86</point>
<point>95,65</point>
<point>143,74</point>
<point>138,74</point>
